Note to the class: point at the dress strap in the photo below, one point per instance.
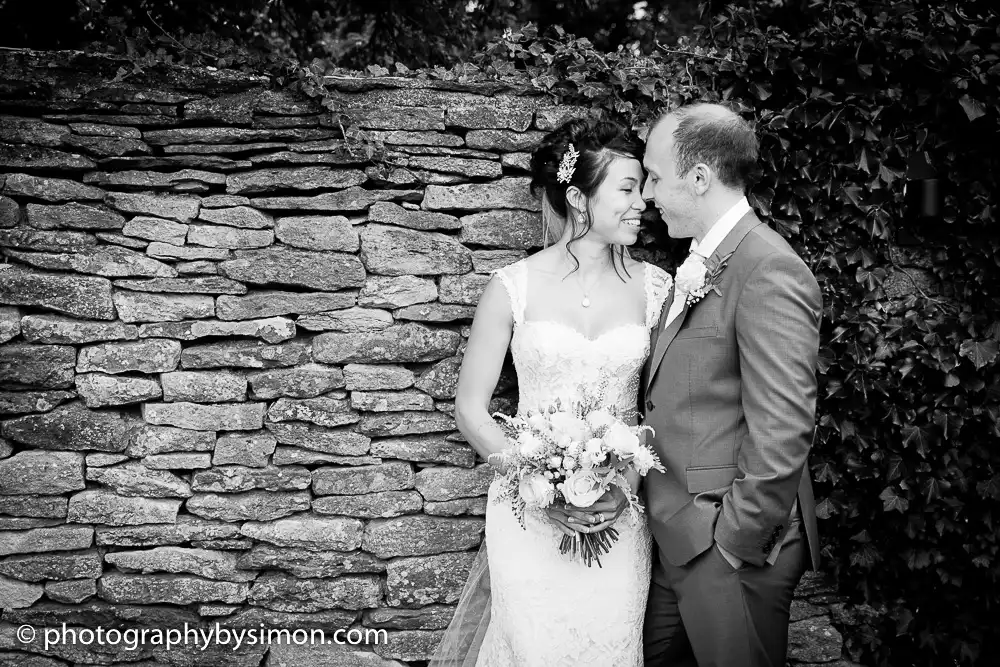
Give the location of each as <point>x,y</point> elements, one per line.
<point>514,279</point>
<point>657,283</point>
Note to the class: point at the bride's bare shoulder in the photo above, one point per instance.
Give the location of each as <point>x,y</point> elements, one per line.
<point>544,261</point>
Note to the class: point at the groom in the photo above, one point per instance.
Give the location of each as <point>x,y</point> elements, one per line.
<point>730,390</point>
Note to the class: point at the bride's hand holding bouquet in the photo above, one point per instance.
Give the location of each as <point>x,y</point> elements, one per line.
<point>565,458</point>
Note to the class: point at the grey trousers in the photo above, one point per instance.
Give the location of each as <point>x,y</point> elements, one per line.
<point>708,614</point>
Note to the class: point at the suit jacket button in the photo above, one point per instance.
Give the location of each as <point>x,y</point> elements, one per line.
<point>649,406</point>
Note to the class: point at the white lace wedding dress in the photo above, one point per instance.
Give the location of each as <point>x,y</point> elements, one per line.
<point>550,609</point>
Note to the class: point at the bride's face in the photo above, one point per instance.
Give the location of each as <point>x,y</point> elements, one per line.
<point>617,204</point>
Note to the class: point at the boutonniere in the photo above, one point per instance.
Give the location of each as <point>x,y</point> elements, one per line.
<point>695,279</point>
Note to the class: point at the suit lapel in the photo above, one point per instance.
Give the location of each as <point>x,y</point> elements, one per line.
<point>654,337</point>
<point>658,329</point>
<point>663,340</point>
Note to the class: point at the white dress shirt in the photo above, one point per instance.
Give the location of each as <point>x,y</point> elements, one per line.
<point>716,234</point>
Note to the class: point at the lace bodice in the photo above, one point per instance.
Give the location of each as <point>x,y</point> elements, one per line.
<point>552,359</point>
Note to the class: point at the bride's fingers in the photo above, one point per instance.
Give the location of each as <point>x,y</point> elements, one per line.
<point>595,515</point>
<point>560,522</point>
<point>573,528</point>
<point>601,526</point>
<point>573,516</point>
<point>585,518</point>
<point>608,505</point>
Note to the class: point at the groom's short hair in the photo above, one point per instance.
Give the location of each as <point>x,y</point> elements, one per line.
<point>715,135</point>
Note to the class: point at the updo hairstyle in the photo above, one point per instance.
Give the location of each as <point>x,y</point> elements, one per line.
<point>599,143</point>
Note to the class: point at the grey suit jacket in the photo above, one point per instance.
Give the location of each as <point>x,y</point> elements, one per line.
<point>730,390</point>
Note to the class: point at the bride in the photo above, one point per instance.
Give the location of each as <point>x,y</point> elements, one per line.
<point>577,310</point>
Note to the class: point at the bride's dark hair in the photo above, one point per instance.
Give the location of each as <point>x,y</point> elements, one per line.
<point>599,143</point>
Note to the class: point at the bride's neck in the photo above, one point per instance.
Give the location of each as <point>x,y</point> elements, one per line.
<point>591,257</point>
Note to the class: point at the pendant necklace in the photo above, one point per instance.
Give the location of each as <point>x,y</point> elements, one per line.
<point>585,302</point>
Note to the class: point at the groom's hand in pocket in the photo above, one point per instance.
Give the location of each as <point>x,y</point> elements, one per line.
<point>731,558</point>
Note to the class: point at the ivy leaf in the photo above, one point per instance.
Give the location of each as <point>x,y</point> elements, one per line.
<point>786,228</point>
<point>973,108</point>
<point>863,162</point>
<point>647,86</point>
<point>546,81</point>
<point>870,279</point>
<point>826,473</point>
<point>931,488</point>
<point>593,89</point>
<point>990,488</point>
<point>825,509</point>
<point>891,501</point>
<point>865,557</point>
<point>979,353</point>
<point>897,468</point>
<point>916,436</point>
<point>903,620</point>
<point>854,195</point>
<point>918,560</point>
<point>120,75</point>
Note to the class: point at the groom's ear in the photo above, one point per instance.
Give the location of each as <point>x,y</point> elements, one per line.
<point>701,178</point>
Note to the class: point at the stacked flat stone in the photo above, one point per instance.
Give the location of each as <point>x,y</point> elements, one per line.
<point>231,342</point>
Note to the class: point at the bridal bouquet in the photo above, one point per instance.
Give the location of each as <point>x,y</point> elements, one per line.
<point>573,454</point>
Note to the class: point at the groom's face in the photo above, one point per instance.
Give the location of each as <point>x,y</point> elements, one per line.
<point>670,193</point>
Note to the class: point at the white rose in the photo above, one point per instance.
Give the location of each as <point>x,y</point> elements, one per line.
<point>536,491</point>
<point>690,275</point>
<point>538,422</point>
<point>529,444</point>
<point>582,488</point>
<point>569,462</point>
<point>621,440</point>
<point>555,461</point>
<point>569,425</point>
<point>600,419</point>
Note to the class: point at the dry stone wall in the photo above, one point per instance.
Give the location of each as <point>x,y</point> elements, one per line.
<point>230,347</point>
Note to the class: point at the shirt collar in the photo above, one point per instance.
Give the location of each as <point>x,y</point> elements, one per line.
<point>721,229</point>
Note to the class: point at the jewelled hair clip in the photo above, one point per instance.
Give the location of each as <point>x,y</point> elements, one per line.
<point>567,165</point>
